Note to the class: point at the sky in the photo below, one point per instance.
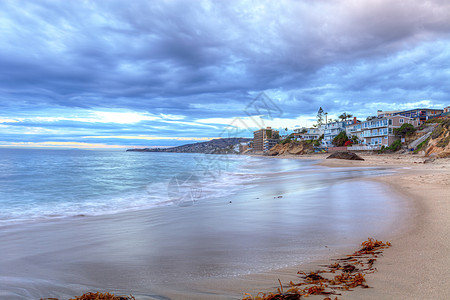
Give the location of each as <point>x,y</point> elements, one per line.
<point>117,74</point>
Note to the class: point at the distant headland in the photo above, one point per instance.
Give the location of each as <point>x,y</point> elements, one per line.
<point>215,146</point>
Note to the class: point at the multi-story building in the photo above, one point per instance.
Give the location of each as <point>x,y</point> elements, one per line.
<point>331,130</point>
<point>380,131</point>
<point>447,109</point>
<point>354,129</point>
<point>307,134</point>
<point>419,114</point>
<point>264,139</point>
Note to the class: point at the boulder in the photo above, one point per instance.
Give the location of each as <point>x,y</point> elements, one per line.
<point>345,155</point>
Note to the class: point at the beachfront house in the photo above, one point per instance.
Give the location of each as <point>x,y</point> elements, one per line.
<point>307,134</point>
<point>264,139</point>
<point>331,130</point>
<point>354,129</point>
<point>418,114</point>
<point>379,131</point>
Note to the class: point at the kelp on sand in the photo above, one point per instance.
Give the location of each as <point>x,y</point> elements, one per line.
<point>344,274</point>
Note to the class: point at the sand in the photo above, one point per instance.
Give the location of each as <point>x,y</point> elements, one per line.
<point>417,266</point>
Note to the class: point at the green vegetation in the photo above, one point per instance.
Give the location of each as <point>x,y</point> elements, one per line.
<point>421,146</point>
<point>439,130</point>
<point>269,134</point>
<point>405,130</point>
<point>285,141</point>
<point>344,116</point>
<point>340,139</point>
<point>444,142</point>
<point>355,139</point>
<point>395,146</point>
<point>320,116</point>
<point>318,141</point>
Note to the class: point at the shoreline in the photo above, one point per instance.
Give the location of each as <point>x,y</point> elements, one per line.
<point>416,266</point>
<point>403,267</point>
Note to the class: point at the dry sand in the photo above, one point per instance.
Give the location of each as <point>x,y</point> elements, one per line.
<point>417,266</point>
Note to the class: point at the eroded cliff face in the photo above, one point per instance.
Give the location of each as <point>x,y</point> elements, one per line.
<point>292,148</point>
<point>439,143</point>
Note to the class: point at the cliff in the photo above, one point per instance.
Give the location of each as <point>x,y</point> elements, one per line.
<point>293,148</point>
<point>439,144</point>
<point>216,146</point>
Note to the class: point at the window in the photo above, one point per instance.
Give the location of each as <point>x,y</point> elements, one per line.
<point>390,130</point>
<point>401,121</point>
<point>385,137</point>
<point>390,121</point>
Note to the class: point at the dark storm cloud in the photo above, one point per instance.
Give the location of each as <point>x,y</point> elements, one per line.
<point>208,59</point>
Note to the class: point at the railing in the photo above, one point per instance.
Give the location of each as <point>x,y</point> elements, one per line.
<point>333,149</point>
<point>364,148</point>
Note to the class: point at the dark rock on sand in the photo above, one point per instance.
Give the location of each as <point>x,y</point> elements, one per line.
<point>345,155</point>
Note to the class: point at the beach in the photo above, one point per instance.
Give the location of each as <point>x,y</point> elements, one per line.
<point>416,266</point>
<point>210,250</point>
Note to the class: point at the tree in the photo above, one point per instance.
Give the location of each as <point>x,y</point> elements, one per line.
<point>355,139</point>
<point>405,130</point>
<point>326,118</point>
<point>320,116</point>
<point>344,116</point>
<point>340,139</point>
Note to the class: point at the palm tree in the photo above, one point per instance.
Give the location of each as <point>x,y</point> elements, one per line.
<point>344,116</point>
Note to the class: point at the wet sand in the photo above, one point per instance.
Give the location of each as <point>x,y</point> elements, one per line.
<point>417,265</point>
<point>202,251</point>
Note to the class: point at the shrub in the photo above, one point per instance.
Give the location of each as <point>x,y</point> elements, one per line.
<point>437,132</point>
<point>395,146</point>
<point>443,142</point>
<point>340,139</point>
<point>285,141</point>
<point>421,145</point>
<point>405,130</point>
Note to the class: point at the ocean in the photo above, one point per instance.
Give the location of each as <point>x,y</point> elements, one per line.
<point>73,221</point>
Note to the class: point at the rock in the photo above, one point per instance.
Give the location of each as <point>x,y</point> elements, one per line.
<point>294,148</point>
<point>345,155</point>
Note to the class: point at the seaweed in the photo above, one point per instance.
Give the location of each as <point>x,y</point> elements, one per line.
<point>344,274</point>
<point>102,296</point>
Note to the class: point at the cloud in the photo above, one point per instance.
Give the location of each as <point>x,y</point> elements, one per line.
<point>167,64</point>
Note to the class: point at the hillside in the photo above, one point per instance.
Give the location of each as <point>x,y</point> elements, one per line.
<point>439,143</point>
<point>216,146</point>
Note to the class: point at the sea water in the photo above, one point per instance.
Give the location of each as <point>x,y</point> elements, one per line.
<point>73,221</point>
